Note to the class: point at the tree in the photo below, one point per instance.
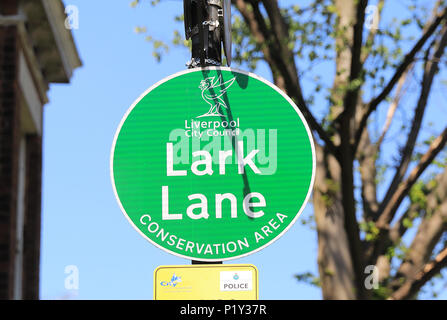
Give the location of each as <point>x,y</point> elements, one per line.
<point>377,201</point>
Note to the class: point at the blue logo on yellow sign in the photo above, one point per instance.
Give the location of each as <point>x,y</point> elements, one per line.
<point>174,281</point>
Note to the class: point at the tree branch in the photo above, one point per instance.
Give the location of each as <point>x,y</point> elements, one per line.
<point>366,156</point>
<point>351,16</point>
<point>282,64</point>
<point>409,58</point>
<point>412,286</point>
<point>401,226</point>
<point>383,239</point>
<point>430,71</point>
<point>392,109</point>
<point>434,192</point>
<point>388,213</point>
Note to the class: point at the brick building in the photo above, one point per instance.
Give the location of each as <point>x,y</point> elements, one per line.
<point>36,49</point>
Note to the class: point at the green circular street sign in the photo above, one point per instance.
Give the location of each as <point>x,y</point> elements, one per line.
<point>212,164</point>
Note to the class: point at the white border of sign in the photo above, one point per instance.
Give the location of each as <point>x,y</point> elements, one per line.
<point>230,70</point>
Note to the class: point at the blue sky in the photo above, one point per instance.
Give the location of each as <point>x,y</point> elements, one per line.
<point>82,222</point>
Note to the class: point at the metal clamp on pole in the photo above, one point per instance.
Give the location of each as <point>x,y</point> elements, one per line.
<point>208,25</point>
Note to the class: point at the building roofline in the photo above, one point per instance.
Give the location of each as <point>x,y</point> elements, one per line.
<point>63,37</point>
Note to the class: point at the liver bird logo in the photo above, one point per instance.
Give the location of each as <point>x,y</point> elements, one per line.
<point>212,92</point>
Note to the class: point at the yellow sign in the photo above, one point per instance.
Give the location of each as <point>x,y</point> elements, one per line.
<point>206,282</point>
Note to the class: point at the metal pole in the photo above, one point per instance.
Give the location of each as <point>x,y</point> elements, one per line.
<point>204,26</point>
<point>199,19</point>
